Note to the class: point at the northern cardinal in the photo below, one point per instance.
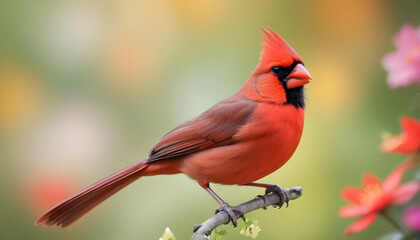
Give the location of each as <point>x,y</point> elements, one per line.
<point>237,141</point>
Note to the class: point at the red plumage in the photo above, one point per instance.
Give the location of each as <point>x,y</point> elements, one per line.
<point>237,141</point>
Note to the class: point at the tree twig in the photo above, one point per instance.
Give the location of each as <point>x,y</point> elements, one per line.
<point>203,231</point>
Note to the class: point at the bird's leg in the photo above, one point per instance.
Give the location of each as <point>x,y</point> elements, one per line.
<point>272,188</point>
<point>224,206</point>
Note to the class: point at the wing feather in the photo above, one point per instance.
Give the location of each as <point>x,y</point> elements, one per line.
<point>215,127</point>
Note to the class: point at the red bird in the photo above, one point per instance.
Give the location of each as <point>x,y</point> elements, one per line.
<point>237,141</point>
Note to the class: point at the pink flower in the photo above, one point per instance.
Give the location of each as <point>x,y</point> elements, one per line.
<point>403,65</point>
<point>375,196</point>
<point>408,142</point>
<point>412,218</point>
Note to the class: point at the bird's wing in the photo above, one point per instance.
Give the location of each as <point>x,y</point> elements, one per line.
<point>213,128</point>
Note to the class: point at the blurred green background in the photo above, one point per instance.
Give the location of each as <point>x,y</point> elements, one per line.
<point>88,87</point>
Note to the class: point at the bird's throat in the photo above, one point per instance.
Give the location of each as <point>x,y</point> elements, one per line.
<point>296,97</point>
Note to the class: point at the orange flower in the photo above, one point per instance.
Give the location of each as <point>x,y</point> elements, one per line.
<point>375,196</point>
<point>408,141</point>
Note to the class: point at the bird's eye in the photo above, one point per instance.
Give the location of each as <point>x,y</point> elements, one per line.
<point>276,70</point>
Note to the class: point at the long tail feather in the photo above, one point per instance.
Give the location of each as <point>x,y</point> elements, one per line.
<point>71,209</point>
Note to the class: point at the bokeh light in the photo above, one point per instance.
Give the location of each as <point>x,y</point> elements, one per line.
<point>21,97</point>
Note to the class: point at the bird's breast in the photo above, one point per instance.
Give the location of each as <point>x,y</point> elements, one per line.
<point>271,137</point>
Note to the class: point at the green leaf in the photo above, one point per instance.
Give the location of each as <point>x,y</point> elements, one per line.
<point>248,223</point>
<point>218,233</point>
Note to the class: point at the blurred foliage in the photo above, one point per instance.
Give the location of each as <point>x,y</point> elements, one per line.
<point>218,234</point>
<point>87,87</point>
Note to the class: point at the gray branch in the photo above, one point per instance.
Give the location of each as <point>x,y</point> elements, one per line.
<point>203,231</point>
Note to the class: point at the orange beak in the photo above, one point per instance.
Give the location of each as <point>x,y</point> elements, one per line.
<point>298,77</point>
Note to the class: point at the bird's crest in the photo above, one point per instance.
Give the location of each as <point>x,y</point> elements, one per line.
<point>276,50</point>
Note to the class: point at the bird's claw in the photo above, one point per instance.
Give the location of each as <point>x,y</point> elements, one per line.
<point>276,189</point>
<point>231,213</point>
<point>281,192</point>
